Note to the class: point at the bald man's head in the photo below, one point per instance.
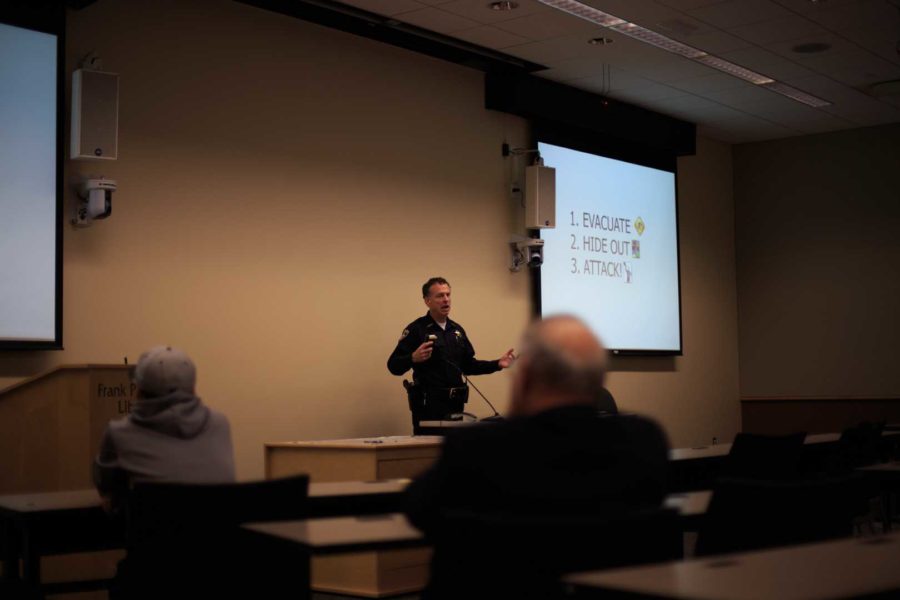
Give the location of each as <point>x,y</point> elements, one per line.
<point>561,363</point>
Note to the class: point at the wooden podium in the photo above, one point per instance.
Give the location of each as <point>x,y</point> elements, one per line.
<point>370,574</point>
<point>51,424</point>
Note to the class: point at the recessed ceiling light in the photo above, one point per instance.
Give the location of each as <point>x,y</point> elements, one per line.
<point>811,48</point>
<point>503,6</point>
<point>600,41</point>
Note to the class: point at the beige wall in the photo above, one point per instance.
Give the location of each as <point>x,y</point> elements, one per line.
<point>284,190</point>
<point>818,239</point>
<point>695,395</point>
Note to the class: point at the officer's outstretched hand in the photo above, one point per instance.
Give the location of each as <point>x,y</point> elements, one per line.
<point>507,359</point>
<point>422,353</point>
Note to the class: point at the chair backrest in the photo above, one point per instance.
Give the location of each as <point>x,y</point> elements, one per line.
<point>862,445</point>
<point>751,514</point>
<point>764,457</point>
<point>606,404</point>
<point>185,539</point>
<point>524,556</point>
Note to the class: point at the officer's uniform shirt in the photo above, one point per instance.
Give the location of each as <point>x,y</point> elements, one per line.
<point>452,353</point>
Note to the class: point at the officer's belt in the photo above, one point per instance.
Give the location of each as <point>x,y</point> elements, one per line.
<point>433,394</point>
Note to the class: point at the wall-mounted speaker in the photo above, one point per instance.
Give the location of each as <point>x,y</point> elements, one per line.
<point>540,197</point>
<point>95,115</point>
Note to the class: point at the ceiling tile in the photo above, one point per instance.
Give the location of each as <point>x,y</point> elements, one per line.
<point>709,83</point>
<point>778,30</point>
<point>648,92</point>
<point>856,15</point>
<point>668,67</point>
<point>478,10</point>
<point>864,73</point>
<point>710,114</point>
<point>713,42</point>
<point>578,68</point>
<point>653,16</point>
<point>766,63</point>
<point>551,50</point>
<point>753,129</point>
<point>695,108</point>
<point>437,20</point>
<point>878,40</point>
<point>826,123</point>
<point>551,24</point>
<point>734,13</point>
<point>489,37</point>
<point>720,135</point>
<point>790,113</point>
<point>615,79</point>
<point>687,4</point>
<point>385,7</point>
<point>837,45</point>
<point>745,99</point>
<point>847,102</point>
<point>806,7</point>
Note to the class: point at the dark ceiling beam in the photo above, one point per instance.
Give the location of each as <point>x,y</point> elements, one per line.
<point>390,31</point>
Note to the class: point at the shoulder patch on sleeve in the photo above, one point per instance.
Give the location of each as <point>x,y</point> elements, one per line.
<point>404,334</point>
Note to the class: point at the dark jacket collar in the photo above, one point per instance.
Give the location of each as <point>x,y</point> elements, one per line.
<point>432,323</point>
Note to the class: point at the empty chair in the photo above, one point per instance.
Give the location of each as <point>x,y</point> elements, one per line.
<point>764,457</point>
<point>863,445</point>
<point>750,514</point>
<point>524,556</point>
<point>185,541</point>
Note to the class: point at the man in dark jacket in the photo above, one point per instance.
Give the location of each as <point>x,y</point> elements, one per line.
<point>554,456</point>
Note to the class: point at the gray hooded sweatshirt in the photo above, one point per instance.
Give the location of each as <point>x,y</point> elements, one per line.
<point>172,438</point>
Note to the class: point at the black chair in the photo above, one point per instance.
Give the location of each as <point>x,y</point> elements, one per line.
<point>524,556</point>
<point>764,457</point>
<point>185,541</point>
<point>863,445</point>
<point>750,514</point>
<point>606,404</point>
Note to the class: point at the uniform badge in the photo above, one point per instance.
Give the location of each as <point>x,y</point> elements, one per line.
<point>404,334</point>
<point>458,334</point>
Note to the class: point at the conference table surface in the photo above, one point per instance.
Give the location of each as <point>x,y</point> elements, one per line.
<point>845,568</point>
<point>40,524</point>
<point>720,450</point>
<point>87,499</point>
<point>345,534</point>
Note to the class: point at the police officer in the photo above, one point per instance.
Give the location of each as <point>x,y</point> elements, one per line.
<point>439,353</point>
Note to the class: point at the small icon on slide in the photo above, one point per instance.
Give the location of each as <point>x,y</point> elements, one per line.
<point>639,226</point>
<point>635,248</point>
<point>627,272</point>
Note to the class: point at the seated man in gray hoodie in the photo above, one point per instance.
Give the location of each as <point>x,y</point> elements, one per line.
<point>169,436</point>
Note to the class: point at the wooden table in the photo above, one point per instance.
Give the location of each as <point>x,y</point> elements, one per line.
<point>42,524</point>
<point>371,574</point>
<point>36,525</point>
<point>364,459</point>
<point>336,535</point>
<point>846,568</point>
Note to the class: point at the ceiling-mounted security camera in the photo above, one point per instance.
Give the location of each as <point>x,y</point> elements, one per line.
<point>528,251</point>
<point>95,201</point>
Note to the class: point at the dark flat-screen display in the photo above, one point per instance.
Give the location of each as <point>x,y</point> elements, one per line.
<point>613,257</point>
<point>30,167</point>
